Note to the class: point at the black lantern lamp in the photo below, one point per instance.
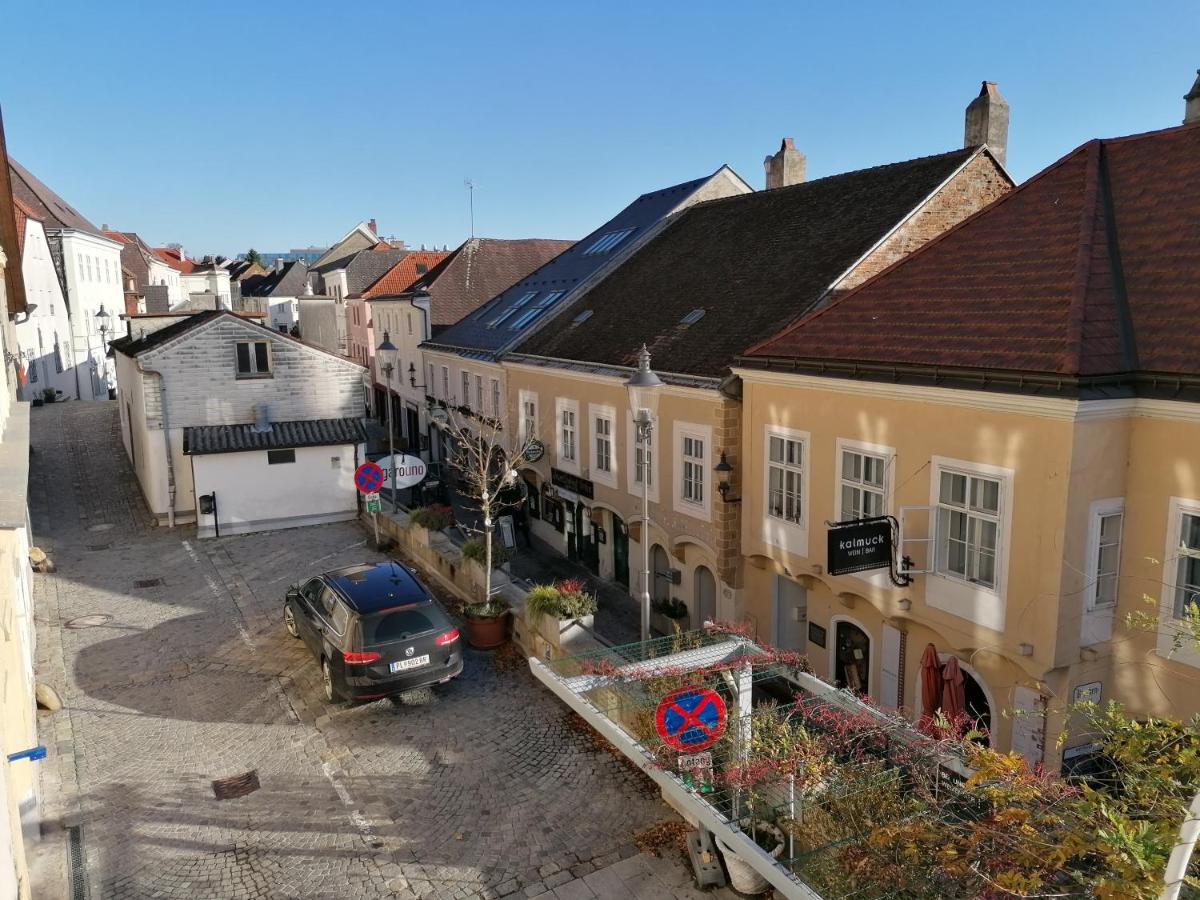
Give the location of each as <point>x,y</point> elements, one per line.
<point>724,470</point>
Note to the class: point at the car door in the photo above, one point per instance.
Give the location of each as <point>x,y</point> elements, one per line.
<point>306,619</point>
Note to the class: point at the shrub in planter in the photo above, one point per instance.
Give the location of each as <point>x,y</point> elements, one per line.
<point>561,600</point>
<point>432,518</point>
<point>486,623</point>
<point>476,550</point>
<point>49,395</point>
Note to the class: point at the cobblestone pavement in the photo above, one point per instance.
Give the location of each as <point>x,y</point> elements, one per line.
<point>479,788</point>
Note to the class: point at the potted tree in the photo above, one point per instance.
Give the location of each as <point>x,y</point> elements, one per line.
<point>667,615</point>
<point>486,462</point>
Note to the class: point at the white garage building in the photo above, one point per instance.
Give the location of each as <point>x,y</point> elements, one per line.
<point>239,428</point>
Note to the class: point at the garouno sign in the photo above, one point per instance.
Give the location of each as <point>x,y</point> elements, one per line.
<point>402,471</point>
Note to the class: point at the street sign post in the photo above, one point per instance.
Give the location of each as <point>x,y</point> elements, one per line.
<point>368,478</point>
<point>690,719</point>
<point>374,504</point>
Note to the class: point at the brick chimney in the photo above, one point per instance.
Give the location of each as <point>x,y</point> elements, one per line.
<point>374,228</point>
<point>987,121</point>
<point>785,167</point>
<point>1191,112</point>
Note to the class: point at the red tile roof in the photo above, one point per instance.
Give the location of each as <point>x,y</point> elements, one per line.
<point>22,212</point>
<point>172,258</point>
<point>396,279</point>
<point>1090,268</point>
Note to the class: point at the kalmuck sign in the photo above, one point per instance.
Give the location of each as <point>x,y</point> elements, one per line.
<point>859,546</point>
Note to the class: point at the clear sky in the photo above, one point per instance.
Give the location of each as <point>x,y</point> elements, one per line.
<point>281,124</point>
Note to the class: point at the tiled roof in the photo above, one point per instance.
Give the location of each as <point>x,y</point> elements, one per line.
<point>403,273</point>
<point>206,439</point>
<point>367,265</point>
<point>173,259</point>
<point>473,333</point>
<point>1090,268</point>
<point>728,272</point>
<point>53,211</point>
<point>22,213</point>
<point>129,346</point>
<point>285,282</point>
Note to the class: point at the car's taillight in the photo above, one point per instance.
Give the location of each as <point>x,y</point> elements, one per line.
<point>359,658</point>
<point>448,638</point>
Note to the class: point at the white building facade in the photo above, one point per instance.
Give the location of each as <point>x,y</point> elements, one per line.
<point>44,333</point>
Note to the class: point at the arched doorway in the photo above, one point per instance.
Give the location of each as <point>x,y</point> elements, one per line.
<point>706,596</point>
<point>978,707</point>
<point>660,574</point>
<point>851,657</point>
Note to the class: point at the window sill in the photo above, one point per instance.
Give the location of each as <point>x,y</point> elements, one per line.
<point>254,376</point>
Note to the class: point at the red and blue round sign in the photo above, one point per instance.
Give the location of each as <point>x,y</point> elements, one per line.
<point>690,718</point>
<point>368,478</point>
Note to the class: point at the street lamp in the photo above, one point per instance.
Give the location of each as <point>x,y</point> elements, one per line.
<point>102,322</point>
<point>643,390</point>
<point>387,368</point>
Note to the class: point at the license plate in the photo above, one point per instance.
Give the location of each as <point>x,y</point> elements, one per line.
<point>415,663</point>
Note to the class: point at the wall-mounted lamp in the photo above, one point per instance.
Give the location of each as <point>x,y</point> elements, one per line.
<point>724,470</point>
<point>412,377</point>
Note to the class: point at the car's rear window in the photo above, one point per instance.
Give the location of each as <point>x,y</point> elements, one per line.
<point>399,624</point>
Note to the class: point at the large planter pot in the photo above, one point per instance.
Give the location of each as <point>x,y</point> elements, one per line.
<point>742,876</point>
<point>664,625</point>
<point>551,629</point>
<point>487,633</point>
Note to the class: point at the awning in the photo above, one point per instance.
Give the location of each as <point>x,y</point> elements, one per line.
<point>199,440</point>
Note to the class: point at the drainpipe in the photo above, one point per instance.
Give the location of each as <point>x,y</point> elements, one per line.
<point>162,393</point>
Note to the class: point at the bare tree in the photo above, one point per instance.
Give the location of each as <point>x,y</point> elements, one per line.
<point>487,459</point>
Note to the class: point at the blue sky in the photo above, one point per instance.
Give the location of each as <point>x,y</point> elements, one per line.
<point>276,125</point>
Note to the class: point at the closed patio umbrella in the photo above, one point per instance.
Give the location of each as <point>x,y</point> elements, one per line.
<point>931,683</point>
<point>954,698</point>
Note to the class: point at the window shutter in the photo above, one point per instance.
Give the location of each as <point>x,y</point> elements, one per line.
<point>918,540</point>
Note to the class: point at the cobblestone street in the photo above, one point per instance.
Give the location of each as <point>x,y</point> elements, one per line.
<point>479,788</point>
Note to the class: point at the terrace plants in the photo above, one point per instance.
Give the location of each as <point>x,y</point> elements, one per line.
<point>432,518</point>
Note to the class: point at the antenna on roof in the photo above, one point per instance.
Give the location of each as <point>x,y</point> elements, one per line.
<point>470,186</point>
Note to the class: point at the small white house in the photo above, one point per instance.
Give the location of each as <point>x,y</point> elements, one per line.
<point>238,428</point>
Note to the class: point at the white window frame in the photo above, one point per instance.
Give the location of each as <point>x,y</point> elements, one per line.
<point>446,383</point>
<point>683,431</point>
<point>529,399</point>
<point>631,447</point>
<point>1168,631</point>
<point>561,405</point>
<point>431,385</point>
<point>466,388</point>
<point>972,601</point>
<point>886,454</point>
<point>608,414</point>
<point>496,398</point>
<point>778,531</point>
<point>1097,619</point>
<point>478,394</point>
<point>252,353</point>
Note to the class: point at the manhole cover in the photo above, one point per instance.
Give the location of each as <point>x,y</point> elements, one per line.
<point>147,582</point>
<point>88,621</point>
<point>236,785</point>
<point>103,526</point>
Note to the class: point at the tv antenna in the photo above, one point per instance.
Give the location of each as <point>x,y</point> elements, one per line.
<point>470,186</point>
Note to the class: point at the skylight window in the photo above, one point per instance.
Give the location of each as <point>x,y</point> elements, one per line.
<point>536,310</point>
<point>607,241</point>
<point>508,313</point>
<point>693,317</point>
<point>582,317</point>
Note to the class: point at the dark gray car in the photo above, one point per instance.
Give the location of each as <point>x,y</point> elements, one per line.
<point>376,630</point>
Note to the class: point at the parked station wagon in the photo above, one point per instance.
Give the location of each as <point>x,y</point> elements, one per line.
<point>376,630</point>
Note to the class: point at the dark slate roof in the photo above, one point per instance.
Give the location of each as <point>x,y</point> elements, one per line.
<point>129,346</point>
<point>53,210</point>
<point>368,266</point>
<point>750,263</point>
<point>564,272</point>
<point>199,440</point>
<point>285,282</point>
<point>1088,270</point>
<point>479,270</point>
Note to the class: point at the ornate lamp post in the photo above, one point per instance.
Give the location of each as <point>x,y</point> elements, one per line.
<point>387,368</point>
<point>643,390</point>
<point>103,317</point>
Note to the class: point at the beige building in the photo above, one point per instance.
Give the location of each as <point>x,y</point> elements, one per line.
<point>1021,397</point>
<point>720,275</point>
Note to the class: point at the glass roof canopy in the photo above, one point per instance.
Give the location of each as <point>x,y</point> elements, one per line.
<point>797,777</point>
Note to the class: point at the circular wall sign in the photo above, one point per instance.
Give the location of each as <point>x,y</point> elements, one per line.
<point>535,451</point>
<point>410,470</point>
<point>690,718</point>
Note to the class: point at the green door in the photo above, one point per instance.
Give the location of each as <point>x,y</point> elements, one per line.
<point>620,545</point>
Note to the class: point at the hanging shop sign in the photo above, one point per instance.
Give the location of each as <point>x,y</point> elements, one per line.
<point>690,719</point>
<point>572,483</point>
<point>535,451</point>
<point>860,545</point>
<point>403,471</point>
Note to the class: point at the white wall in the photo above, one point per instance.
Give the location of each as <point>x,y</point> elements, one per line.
<point>208,282</point>
<point>319,322</point>
<point>161,273</point>
<point>92,265</point>
<point>49,324</point>
<point>253,495</point>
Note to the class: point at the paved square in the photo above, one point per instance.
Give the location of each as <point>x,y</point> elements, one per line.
<point>479,788</point>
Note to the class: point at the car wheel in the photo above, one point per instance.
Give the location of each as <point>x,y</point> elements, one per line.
<point>289,621</point>
<point>331,692</point>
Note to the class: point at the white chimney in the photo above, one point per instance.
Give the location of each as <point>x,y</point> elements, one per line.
<point>1191,111</point>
